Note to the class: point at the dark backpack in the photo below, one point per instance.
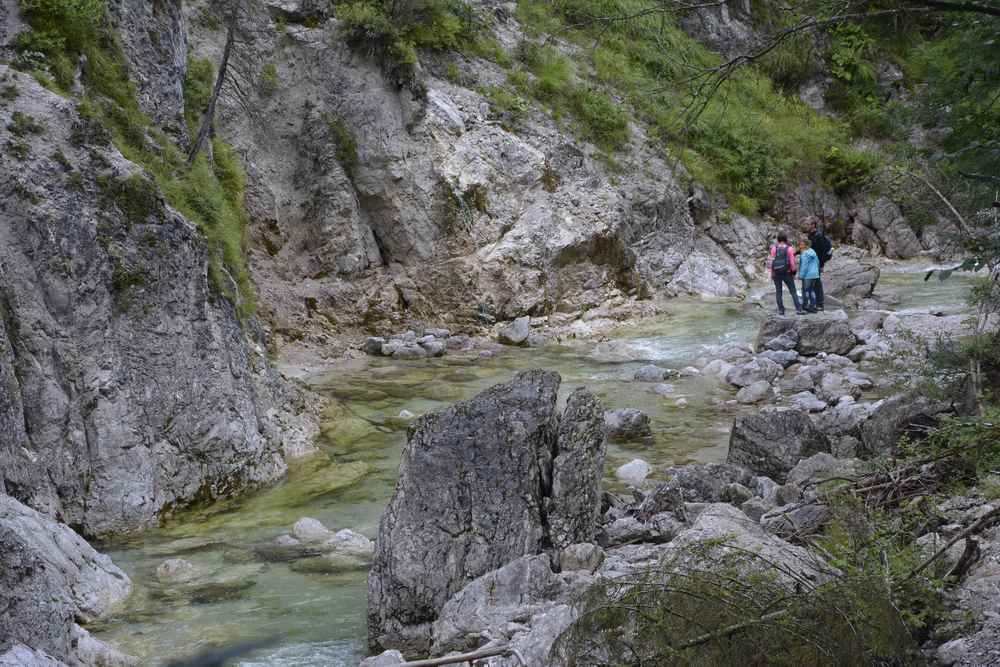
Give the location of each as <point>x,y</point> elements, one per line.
<point>779,263</point>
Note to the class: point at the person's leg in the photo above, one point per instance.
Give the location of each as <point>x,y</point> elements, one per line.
<point>818,291</point>
<point>777,294</point>
<point>790,283</point>
<point>809,289</point>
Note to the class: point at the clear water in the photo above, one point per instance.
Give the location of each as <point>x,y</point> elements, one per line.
<point>319,619</point>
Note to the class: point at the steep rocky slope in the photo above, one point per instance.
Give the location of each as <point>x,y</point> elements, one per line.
<point>373,205</point>
<point>128,388</point>
<point>443,208</point>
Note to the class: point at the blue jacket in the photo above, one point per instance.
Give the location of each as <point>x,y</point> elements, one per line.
<point>808,264</point>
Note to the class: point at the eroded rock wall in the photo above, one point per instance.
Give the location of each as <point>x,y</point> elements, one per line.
<point>128,386</point>
<point>444,207</point>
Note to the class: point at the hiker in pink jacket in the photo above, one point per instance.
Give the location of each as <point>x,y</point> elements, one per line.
<point>781,266</point>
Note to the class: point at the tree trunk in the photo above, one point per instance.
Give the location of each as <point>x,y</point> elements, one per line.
<point>209,117</point>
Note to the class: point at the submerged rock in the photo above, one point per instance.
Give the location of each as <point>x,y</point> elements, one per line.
<point>651,373</point>
<point>477,483</point>
<point>627,424</point>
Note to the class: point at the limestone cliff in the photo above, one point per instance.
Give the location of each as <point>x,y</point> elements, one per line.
<point>126,386</point>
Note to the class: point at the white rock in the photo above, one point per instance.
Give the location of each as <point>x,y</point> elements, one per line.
<point>308,529</point>
<point>351,543</point>
<point>634,472</point>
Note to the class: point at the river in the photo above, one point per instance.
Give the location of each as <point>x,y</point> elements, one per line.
<point>319,619</point>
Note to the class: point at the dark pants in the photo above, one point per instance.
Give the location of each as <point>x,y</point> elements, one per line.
<point>789,282</point>
<point>809,293</point>
<point>818,289</point>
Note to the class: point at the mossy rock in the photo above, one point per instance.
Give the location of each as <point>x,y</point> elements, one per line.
<point>346,430</point>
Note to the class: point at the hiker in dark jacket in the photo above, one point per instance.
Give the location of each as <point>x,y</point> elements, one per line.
<point>781,266</point>
<point>824,250</point>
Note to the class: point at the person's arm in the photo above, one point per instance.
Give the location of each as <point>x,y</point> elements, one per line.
<point>791,260</point>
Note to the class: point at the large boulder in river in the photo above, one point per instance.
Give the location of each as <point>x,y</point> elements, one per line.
<point>773,441</point>
<point>50,578</point>
<point>828,333</point>
<point>482,483</point>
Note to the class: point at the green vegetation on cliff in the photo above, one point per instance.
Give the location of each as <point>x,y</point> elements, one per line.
<point>71,35</point>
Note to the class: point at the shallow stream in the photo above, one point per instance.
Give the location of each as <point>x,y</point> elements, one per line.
<point>319,619</point>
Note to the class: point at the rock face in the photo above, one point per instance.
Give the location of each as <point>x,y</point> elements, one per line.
<point>154,42</point>
<point>444,208</point>
<point>49,579</point>
<point>773,441</point>
<point>480,484</point>
<point>881,226</point>
<point>848,277</point>
<point>126,385</point>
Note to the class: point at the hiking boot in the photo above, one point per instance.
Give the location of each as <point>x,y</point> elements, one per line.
<point>800,312</point>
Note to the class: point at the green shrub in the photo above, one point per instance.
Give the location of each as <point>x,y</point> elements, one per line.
<point>550,177</point>
<point>505,105</point>
<point>489,48</point>
<point>347,147</point>
<point>61,30</point>
<point>198,82</point>
<point>392,33</point>
<point>19,149</point>
<point>135,196</point>
<point>21,124</point>
<point>211,196</point>
<point>60,158</point>
<point>123,279</point>
<point>269,80</point>
<point>749,138</point>
<point>9,93</point>
<point>847,169</point>
<point>605,121</point>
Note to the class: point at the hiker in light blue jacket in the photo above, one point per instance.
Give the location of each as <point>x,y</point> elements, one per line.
<point>808,274</point>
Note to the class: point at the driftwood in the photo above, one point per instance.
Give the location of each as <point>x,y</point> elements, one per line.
<point>465,657</point>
